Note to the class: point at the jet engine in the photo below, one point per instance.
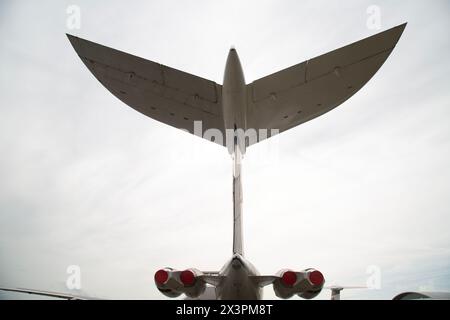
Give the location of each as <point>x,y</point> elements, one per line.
<point>306,284</point>
<point>173,283</point>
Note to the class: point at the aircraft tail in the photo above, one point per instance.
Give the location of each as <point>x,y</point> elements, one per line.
<point>237,203</point>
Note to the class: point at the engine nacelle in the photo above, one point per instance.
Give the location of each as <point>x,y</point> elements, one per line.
<point>307,283</point>
<point>173,283</point>
<point>165,283</point>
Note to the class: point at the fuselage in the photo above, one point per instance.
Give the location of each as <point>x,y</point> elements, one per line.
<point>237,283</point>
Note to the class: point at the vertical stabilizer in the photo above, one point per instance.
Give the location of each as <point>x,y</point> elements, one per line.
<point>237,202</point>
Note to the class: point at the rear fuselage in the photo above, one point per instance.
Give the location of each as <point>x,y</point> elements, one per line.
<point>237,284</point>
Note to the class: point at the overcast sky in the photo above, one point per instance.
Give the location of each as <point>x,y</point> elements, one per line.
<point>85,180</point>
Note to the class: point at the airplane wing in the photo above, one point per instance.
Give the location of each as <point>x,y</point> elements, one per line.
<point>307,90</point>
<point>47,293</point>
<point>170,96</point>
<point>336,290</point>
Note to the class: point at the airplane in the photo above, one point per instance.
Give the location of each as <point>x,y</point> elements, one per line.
<point>236,115</point>
<point>336,290</point>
